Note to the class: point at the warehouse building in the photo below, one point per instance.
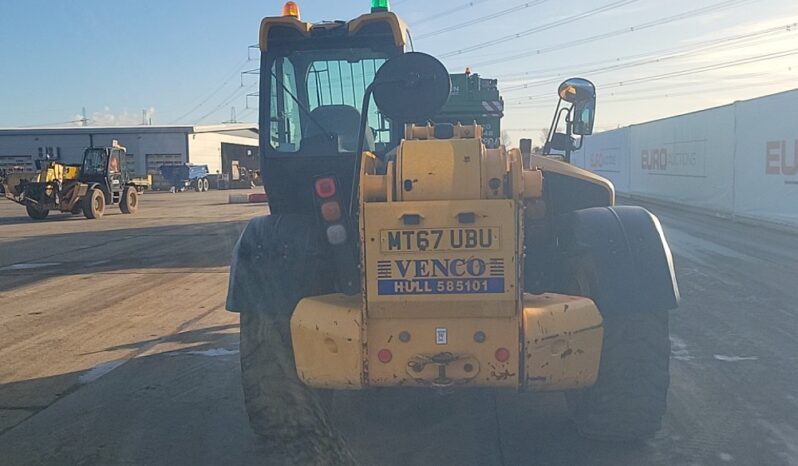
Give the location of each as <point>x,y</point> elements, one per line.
<point>220,147</point>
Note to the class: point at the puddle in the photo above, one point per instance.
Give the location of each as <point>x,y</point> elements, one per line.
<point>721,357</point>
<point>213,352</point>
<point>30,266</point>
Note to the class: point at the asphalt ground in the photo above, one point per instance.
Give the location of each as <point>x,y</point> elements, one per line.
<point>115,348</point>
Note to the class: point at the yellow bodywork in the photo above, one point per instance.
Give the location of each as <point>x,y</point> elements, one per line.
<point>442,303</point>
<point>51,171</point>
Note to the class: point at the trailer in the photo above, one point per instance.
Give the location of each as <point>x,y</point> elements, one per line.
<point>186,176</point>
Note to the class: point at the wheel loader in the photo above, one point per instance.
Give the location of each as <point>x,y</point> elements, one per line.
<point>100,180</point>
<point>404,253</point>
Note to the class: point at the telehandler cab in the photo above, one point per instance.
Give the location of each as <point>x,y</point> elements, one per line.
<point>401,253</point>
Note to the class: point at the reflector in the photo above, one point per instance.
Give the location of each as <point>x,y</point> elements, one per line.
<point>502,354</point>
<point>385,356</point>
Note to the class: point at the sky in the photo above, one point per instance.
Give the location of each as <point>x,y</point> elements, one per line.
<point>180,61</point>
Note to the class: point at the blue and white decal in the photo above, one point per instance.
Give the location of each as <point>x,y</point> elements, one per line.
<point>440,276</point>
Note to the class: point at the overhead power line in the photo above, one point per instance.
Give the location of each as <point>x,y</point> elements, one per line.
<point>450,11</point>
<point>213,93</point>
<point>735,41</point>
<point>541,28</point>
<point>627,30</point>
<point>792,27</point>
<point>680,73</point>
<point>236,94</point>
<point>481,19</point>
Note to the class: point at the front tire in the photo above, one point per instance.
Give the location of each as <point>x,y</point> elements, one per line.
<point>94,204</point>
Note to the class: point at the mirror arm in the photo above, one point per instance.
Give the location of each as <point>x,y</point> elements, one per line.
<point>581,143</point>
<point>552,128</point>
<point>569,130</point>
<point>361,142</point>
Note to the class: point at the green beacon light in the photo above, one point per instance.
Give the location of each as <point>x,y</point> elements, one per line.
<point>379,5</point>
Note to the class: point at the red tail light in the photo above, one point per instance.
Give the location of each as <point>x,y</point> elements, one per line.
<point>325,187</point>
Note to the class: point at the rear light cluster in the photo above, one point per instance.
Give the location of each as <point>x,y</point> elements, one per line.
<point>330,209</point>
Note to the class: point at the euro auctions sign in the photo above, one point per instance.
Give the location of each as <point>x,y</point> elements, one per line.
<point>780,160</point>
<point>675,158</point>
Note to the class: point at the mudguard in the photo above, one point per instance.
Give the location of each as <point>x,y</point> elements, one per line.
<point>633,260</point>
<point>278,260</point>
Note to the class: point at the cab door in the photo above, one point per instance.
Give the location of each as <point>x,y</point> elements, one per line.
<point>116,178</point>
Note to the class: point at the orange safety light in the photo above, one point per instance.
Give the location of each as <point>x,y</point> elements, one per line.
<point>291,9</point>
<point>331,211</point>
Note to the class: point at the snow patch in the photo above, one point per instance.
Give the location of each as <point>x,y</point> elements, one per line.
<point>679,349</point>
<point>721,357</point>
<point>30,266</point>
<point>213,352</point>
<point>99,370</point>
<point>725,457</point>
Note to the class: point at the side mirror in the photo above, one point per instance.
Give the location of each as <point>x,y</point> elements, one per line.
<point>582,94</point>
<point>583,116</point>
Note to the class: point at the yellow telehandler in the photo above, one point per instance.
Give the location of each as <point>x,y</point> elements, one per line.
<point>404,253</point>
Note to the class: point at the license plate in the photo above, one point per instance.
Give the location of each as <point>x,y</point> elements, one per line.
<point>440,239</point>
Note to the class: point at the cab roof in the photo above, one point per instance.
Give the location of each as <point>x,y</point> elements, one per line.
<point>384,23</point>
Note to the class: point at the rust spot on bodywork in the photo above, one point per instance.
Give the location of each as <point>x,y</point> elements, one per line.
<point>502,375</point>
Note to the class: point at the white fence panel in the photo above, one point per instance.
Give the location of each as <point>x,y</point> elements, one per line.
<point>766,175</point>
<point>607,154</point>
<point>687,159</point>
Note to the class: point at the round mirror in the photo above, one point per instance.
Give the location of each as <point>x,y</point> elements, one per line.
<point>577,90</point>
<point>411,87</point>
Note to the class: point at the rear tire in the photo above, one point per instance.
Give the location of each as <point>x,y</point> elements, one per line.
<point>282,410</point>
<point>130,200</point>
<point>94,204</point>
<point>602,260</point>
<point>629,398</point>
<point>206,185</point>
<point>279,260</point>
<point>37,214</point>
